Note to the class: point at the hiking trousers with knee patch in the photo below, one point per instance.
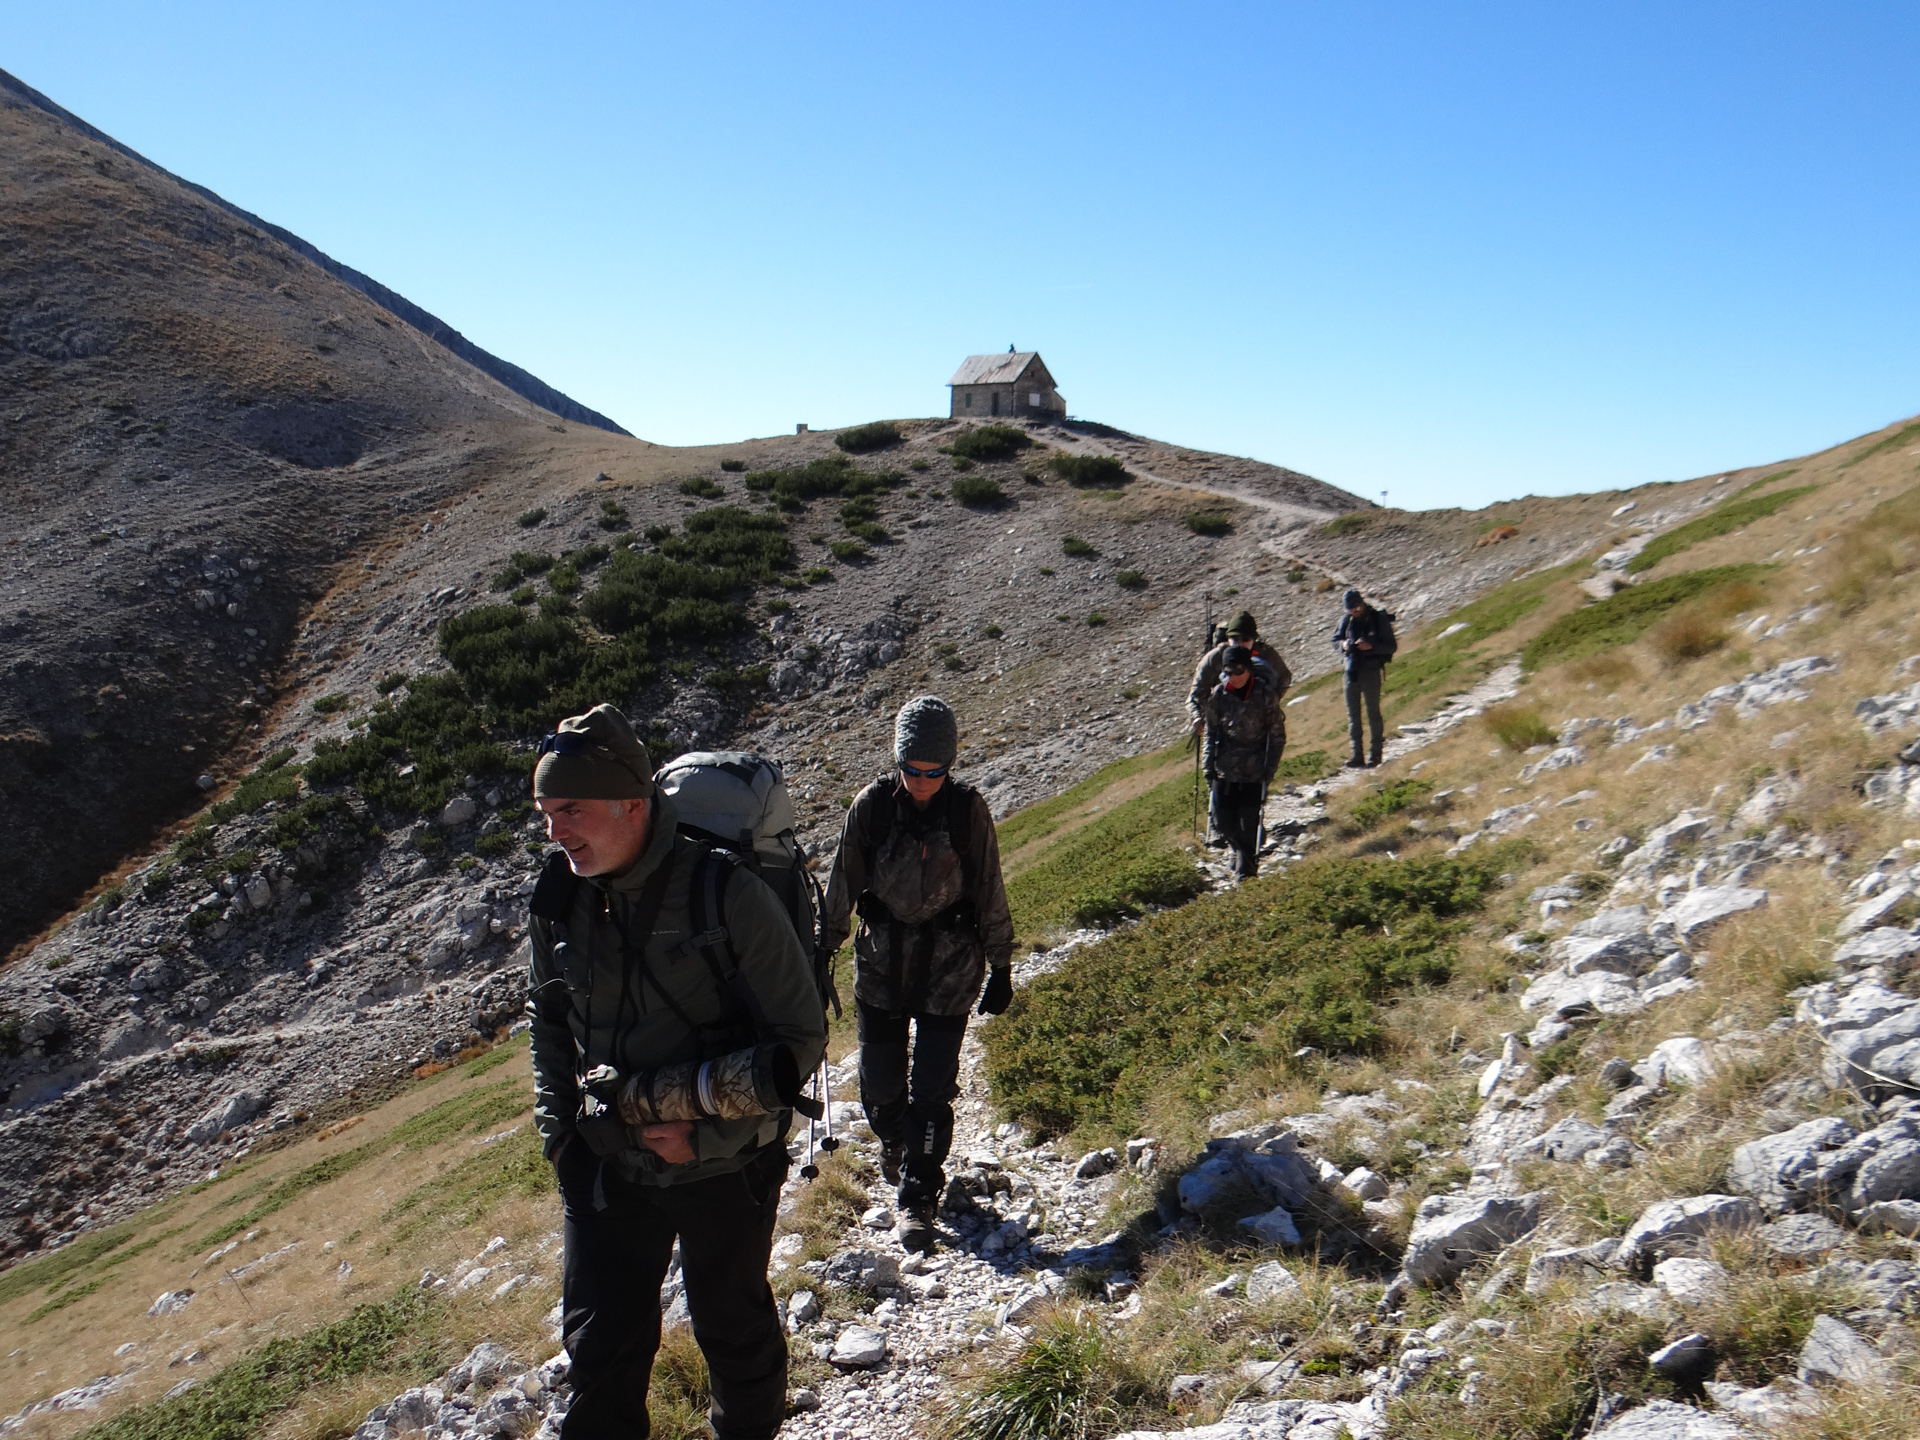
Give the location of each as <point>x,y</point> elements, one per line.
<point>908,1091</point>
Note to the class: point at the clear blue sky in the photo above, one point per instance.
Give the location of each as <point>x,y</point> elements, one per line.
<point>1456,252</point>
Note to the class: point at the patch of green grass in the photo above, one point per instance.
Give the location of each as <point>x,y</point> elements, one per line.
<point>272,779</point>
<point>1627,614</point>
<point>836,474</point>
<point>331,704</point>
<point>1073,1380</point>
<point>510,1167</point>
<point>1030,824</point>
<point>1351,523</point>
<point>468,1112</point>
<point>1904,436</point>
<point>67,1297</point>
<point>979,490</point>
<point>238,1400</point>
<point>1390,799</point>
<point>527,519</point>
<point>1079,868</point>
<point>1304,768</point>
<point>989,442</point>
<point>1131,580</point>
<point>1074,545</point>
<point>1208,522</point>
<point>1088,472</point>
<point>1184,1003</point>
<point>1161,879</point>
<point>1723,519</point>
<point>1096,620</point>
<point>1436,666</point>
<point>861,439</point>
<point>1753,485</point>
<point>702,486</point>
<point>494,1058</point>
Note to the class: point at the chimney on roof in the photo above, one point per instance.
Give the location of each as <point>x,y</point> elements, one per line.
<point>1010,349</point>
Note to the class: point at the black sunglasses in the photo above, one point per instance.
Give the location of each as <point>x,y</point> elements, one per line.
<point>918,774</point>
<point>566,742</point>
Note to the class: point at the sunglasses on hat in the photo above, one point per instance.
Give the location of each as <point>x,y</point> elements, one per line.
<point>566,742</point>
<point>916,773</point>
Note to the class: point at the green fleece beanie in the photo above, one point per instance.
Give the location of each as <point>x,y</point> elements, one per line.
<point>595,756</point>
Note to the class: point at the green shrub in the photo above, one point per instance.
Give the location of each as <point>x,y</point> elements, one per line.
<point>817,573</point>
<point>272,779</point>
<point>530,518</point>
<point>1096,619</point>
<point>963,465</point>
<point>1208,522</point>
<point>1181,1005</point>
<point>779,607</point>
<point>564,580</point>
<point>1723,519</point>
<point>979,490</point>
<point>861,439</point>
<point>654,534</point>
<point>389,682</point>
<point>1296,575</point>
<point>495,843</point>
<point>525,595</point>
<point>531,562</point>
<point>848,550</point>
<point>331,704</point>
<point>1627,614</point>
<point>1131,580</point>
<point>702,486</point>
<point>1088,471</point>
<point>1351,523</point>
<point>1389,799</point>
<point>733,467</point>
<point>1163,879</point>
<point>993,632</point>
<point>989,442</point>
<point>920,466</point>
<point>834,474</point>
<point>1074,545</point>
<point>613,515</point>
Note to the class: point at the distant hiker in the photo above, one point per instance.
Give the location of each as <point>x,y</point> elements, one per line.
<point>1241,630</point>
<point>1246,736</point>
<point>1365,637</point>
<point>919,861</point>
<point>674,1010</point>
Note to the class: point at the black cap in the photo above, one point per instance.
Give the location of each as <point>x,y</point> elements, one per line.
<point>1354,598</point>
<point>1237,656</point>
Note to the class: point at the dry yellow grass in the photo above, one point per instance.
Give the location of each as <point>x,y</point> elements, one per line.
<point>234,1310</point>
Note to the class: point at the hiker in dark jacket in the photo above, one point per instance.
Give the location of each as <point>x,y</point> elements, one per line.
<point>622,1008</point>
<point>1243,629</point>
<point>1246,736</point>
<point>1364,637</point>
<point>919,861</point>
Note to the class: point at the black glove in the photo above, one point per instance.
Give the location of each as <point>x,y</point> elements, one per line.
<point>999,992</point>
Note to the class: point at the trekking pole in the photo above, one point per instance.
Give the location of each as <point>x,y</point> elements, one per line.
<point>810,1171</point>
<point>826,1090</point>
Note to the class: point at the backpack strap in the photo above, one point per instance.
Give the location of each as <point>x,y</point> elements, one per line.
<point>713,942</point>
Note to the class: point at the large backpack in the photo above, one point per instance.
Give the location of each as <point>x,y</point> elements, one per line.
<point>738,801</point>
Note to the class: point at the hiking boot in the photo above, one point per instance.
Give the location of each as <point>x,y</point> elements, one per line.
<point>915,1230</point>
<point>892,1153</point>
<point>1356,763</point>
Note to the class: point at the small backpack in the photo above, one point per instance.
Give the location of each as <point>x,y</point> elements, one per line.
<point>737,801</point>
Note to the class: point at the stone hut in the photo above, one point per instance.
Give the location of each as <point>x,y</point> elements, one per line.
<point>1010,385</point>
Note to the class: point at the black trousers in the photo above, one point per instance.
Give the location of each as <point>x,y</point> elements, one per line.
<point>1237,804</point>
<point>908,1097</point>
<point>615,1261</point>
<point>1363,687</point>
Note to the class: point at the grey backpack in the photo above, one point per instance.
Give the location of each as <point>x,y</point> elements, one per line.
<point>738,801</point>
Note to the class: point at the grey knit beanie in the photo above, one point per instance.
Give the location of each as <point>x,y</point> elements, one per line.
<point>926,730</point>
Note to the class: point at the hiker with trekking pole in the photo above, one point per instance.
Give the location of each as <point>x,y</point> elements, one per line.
<point>1242,629</point>
<point>1246,734</point>
<point>675,1011</point>
<point>919,863</point>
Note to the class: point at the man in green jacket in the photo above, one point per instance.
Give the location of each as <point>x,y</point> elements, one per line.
<point>664,981</point>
